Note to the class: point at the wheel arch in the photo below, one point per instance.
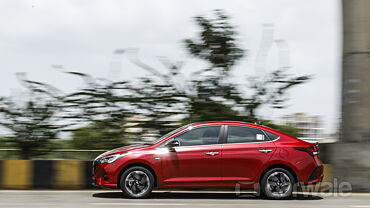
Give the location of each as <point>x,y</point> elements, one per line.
<point>140,164</point>
<point>279,165</point>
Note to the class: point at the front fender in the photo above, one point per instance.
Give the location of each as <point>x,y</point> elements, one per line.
<point>151,163</point>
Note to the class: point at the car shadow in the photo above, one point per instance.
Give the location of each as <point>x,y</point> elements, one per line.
<point>202,195</point>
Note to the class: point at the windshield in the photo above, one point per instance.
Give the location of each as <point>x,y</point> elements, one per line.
<point>166,135</point>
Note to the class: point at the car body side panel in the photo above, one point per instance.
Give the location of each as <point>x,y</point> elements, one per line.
<point>300,162</point>
<point>189,166</point>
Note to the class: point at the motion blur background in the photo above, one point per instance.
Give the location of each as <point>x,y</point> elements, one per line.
<point>82,77</point>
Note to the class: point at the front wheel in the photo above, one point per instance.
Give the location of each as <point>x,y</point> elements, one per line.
<point>277,183</point>
<point>137,182</point>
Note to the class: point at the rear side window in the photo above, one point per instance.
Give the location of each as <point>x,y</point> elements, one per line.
<point>242,134</point>
<point>271,135</point>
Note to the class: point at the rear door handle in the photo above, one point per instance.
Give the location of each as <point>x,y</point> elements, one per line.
<point>212,153</point>
<point>265,150</point>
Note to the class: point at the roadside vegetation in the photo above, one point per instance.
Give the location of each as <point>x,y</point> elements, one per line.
<point>103,114</point>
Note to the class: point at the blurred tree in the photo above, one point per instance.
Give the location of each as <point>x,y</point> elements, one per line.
<point>209,94</point>
<point>159,105</point>
<point>291,130</point>
<point>270,90</point>
<point>32,121</point>
<point>97,135</point>
<point>100,114</point>
<point>160,99</point>
<point>102,107</point>
<point>214,96</point>
<point>4,142</point>
<point>216,44</point>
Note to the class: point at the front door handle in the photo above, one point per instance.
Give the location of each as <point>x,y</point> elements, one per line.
<point>212,153</point>
<point>265,150</point>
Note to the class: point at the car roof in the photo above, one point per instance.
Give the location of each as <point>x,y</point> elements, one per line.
<point>226,123</point>
<point>240,123</point>
<point>262,127</point>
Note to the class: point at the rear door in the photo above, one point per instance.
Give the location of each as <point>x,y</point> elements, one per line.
<point>244,153</point>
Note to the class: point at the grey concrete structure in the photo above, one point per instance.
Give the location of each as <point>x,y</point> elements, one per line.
<point>356,71</point>
<point>351,155</point>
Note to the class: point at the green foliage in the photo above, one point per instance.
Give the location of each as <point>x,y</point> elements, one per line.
<point>104,105</point>
<point>216,43</point>
<point>291,130</point>
<point>209,94</point>
<point>271,90</point>
<point>4,142</point>
<point>34,121</point>
<point>60,144</point>
<point>158,105</point>
<point>212,97</point>
<point>153,104</point>
<point>99,99</point>
<point>98,135</point>
<point>32,125</point>
<point>210,111</point>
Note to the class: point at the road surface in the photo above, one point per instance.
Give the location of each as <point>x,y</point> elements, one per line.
<point>173,199</point>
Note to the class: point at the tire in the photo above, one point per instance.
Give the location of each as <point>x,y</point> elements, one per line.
<point>137,182</point>
<point>277,183</point>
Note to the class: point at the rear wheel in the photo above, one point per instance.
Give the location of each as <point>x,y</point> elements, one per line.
<point>277,183</point>
<point>137,182</point>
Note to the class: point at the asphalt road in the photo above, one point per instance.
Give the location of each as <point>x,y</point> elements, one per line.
<point>163,199</point>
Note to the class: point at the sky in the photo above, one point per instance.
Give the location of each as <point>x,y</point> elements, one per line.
<point>81,35</point>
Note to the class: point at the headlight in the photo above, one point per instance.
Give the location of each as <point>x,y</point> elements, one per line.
<point>112,158</point>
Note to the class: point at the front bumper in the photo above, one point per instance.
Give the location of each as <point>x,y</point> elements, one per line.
<point>100,182</point>
<point>100,176</point>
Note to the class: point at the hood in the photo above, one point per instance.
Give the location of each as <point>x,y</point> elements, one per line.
<point>122,149</point>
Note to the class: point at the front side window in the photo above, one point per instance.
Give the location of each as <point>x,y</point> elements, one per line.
<point>199,136</point>
<point>242,134</point>
<point>166,135</point>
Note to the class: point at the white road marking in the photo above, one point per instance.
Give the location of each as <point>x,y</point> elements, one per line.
<point>137,204</point>
<point>27,204</point>
<point>359,206</point>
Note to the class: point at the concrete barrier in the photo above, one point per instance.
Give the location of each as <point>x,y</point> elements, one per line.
<point>45,174</point>
<point>56,174</point>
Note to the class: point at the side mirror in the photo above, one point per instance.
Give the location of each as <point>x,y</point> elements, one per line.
<point>172,144</point>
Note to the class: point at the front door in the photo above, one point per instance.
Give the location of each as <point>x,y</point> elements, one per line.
<point>196,162</point>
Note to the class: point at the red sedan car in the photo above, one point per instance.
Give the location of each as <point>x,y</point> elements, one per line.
<point>212,155</point>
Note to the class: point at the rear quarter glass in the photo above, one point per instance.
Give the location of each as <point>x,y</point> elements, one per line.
<point>271,136</point>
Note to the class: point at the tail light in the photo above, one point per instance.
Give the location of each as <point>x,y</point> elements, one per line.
<point>313,150</point>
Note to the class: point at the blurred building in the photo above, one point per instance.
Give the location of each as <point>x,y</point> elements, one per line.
<point>310,125</point>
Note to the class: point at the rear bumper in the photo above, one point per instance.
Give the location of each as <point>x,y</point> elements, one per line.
<point>316,176</point>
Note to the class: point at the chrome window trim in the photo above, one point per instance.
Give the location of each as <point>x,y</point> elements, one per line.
<point>255,142</point>
<point>221,144</point>
<point>205,125</point>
